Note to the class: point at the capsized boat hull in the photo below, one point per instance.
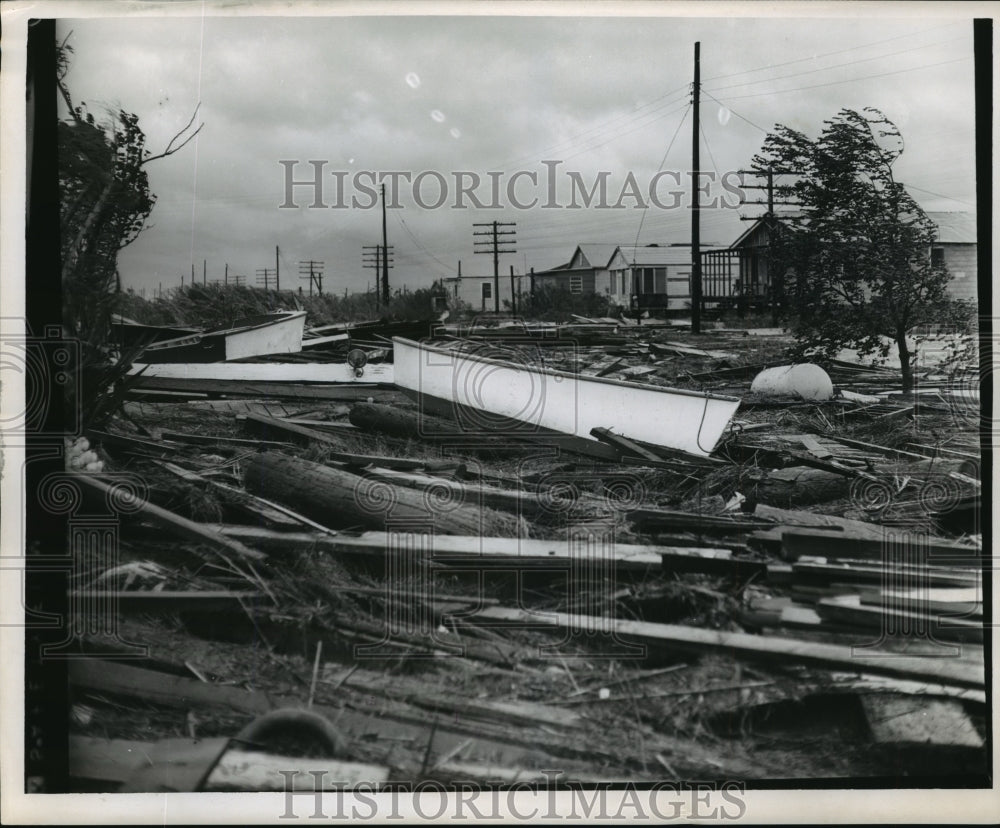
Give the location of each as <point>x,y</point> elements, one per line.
<point>277,333</point>
<point>486,392</point>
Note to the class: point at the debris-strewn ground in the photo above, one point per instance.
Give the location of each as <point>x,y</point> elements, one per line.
<point>710,618</point>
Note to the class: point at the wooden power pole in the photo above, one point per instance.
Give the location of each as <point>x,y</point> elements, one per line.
<point>695,205</point>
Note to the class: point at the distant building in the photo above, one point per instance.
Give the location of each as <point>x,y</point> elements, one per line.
<point>955,247</point>
<point>476,292</point>
<point>659,276</point>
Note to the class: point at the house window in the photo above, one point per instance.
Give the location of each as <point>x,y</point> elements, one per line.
<point>576,284</point>
<point>660,276</point>
<point>624,284</point>
<point>487,291</point>
<point>937,256</point>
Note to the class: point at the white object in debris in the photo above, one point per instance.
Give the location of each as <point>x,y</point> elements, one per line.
<point>804,380</point>
<point>864,399</point>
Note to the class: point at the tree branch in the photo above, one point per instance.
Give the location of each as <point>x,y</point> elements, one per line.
<point>171,149</point>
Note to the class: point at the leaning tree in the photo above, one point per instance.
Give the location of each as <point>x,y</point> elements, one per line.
<point>104,201</point>
<point>855,254</point>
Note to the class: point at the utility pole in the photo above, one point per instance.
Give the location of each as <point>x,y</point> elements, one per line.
<point>385,251</point>
<point>204,271</point>
<point>695,205</point>
<point>376,256</point>
<point>492,245</point>
<point>513,293</point>
<point>238,277</point>
<point>226,279</point>
<point>264,275</point>
<point>192,274</point>
<point>313,271</point>
<point>277,270</point>
<point>182,281</point>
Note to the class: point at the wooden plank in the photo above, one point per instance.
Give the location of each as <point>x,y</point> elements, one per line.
<point>902,721</point>
<point>459,550</point>
<point>605,435</point>
<point>893,546</point>
<point>814,448</point>
<point>957,601</point>
<point>209,439</point>
<point>116,760</point>
<point>711,562</point>
<point>848,609</point>
<point>858,572</point>
<point>181,526</point>
<point>672,636</point>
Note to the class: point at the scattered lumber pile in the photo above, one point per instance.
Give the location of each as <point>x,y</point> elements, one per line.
<point>457,608</point>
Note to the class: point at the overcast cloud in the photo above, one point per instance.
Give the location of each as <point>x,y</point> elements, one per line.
<point>482,94</point>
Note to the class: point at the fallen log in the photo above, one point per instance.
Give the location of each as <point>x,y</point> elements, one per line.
<point>336,497</point>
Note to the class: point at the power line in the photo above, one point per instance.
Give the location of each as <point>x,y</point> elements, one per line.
<point>420,247</point>
<point>938,195</point>
<point>826,54</point>
<point>663,161</point>
<point>838,65</point>
<point>620,134</point>
<point>852,80</point>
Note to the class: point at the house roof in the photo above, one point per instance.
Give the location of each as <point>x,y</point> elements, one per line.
<point>955,228</point>
<point>595,255</point>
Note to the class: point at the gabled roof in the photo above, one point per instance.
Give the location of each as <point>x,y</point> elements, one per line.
<point>955,228</point>
<point>595,255</point>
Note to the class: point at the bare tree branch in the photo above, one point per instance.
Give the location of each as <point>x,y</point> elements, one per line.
<point>171,149</point>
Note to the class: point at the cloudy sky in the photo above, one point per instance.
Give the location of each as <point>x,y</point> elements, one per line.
<point>605,97</point>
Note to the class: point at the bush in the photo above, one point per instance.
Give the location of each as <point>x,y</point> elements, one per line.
<point>553,304</point>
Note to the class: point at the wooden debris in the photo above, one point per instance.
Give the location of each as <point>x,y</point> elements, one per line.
<point>672,636</point>
<point>336,497</point>
<point>903,721</point>
<point>181,526</point>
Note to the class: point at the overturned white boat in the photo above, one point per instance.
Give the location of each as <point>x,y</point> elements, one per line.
<point>486,393</point>
<point>270,333</point>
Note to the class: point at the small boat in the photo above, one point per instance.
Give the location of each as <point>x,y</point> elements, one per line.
<point>287,372</point>
<point>270,333</point>
<point>128,333</point>
<point>486,395</point>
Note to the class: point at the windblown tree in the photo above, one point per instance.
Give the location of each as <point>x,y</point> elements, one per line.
<point>104,203</point>
<point>856,253</point>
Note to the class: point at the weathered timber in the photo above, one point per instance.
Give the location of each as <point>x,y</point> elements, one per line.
<point>606,436</point>
<point>893,546</point>
<point>117,760</point>
<point>209,439</point>
<point>382,729</point>
<point>908,721</point>
<point>264,425</point>
<point>712,562</point>
<point>176,524</point>
<point>800,486</point>
<point>338,498</point>
<point>467,551</point>
<point>849,610</point>
<point>672,636</point>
